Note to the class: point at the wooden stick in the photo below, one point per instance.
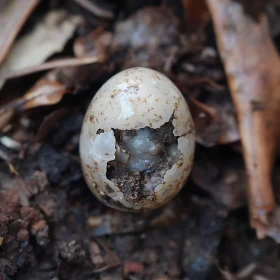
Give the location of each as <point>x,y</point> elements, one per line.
<point>253,71</point>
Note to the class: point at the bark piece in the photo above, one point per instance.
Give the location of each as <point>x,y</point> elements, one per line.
<point>253,71</point>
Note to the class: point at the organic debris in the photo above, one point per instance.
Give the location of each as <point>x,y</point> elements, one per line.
<point>55,55</point>
<point>255,85</point>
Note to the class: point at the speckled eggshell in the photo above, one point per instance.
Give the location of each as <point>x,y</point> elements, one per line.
<point>132,99</point>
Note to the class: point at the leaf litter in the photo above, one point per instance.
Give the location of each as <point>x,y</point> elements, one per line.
<point>51,227</point>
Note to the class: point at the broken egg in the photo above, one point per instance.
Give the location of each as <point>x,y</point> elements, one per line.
<point>137,141</point>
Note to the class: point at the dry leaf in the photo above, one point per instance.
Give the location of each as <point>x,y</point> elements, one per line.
<point>47,91</point>
<point>50,89</point>
<point>13,15</point>
<point>48,37</point>
<point>197,13</point>
<point>44,93</point>
<point>252,66</point>
<point>5,118</point>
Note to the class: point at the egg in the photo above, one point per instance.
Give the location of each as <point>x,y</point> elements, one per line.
<point>137,141</point>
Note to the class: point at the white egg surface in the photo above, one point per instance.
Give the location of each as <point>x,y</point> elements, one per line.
<point>137,141</point>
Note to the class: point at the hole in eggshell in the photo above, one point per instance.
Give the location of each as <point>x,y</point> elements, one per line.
<point>136,171</point>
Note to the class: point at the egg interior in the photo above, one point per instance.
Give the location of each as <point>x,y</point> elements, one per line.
<point>141,159</point>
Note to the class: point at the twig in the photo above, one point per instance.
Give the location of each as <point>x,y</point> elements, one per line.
<point>208,81</point>
<point>112,258</point>
<point>59,63</point>
<point>93,8</point>
<point>6,158</point>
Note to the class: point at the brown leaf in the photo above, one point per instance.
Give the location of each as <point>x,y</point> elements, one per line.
<point>13,15</point>
<point>252,66</point>
<point>50,89</point>
<point>49,36</point>
<point>5,118</point>
<point>45,92</point>
<point>197,13</point>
